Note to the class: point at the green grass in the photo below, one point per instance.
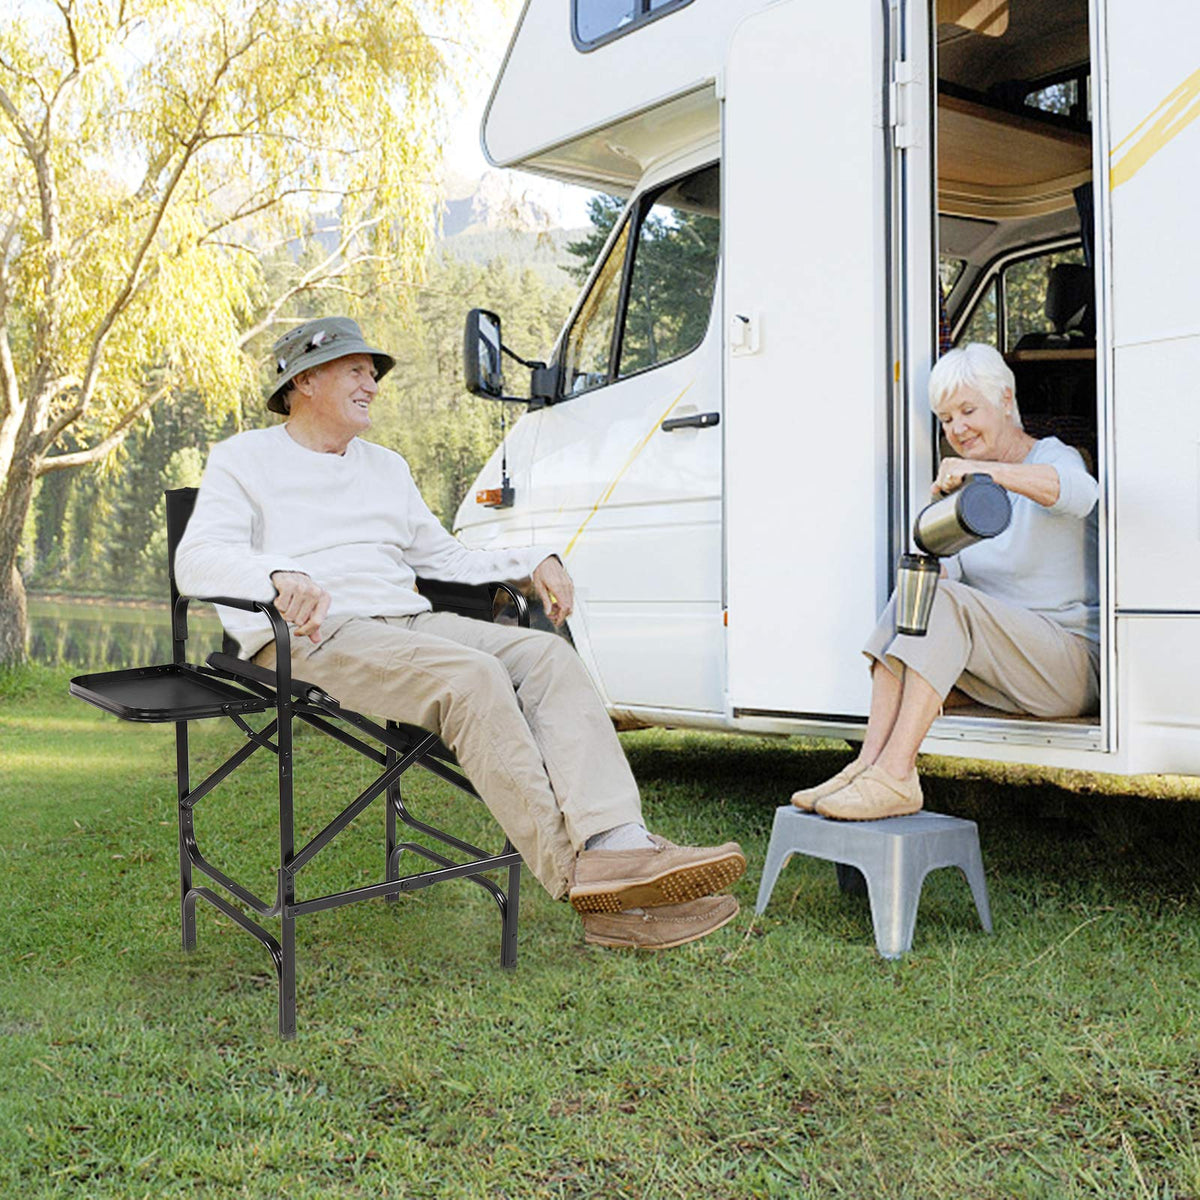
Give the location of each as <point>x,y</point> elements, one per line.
<point>781,1057</point>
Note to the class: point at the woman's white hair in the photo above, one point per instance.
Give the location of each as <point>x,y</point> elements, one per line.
<point>975,365</point>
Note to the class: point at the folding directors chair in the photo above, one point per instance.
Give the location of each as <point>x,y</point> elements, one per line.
<point>229,687</point>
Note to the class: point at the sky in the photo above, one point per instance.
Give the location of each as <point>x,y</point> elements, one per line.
<point>495,24</point>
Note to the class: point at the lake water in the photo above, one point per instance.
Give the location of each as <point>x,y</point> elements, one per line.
<point>110,636</point>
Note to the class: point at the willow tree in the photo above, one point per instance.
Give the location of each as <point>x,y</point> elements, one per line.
<point>155,154</point>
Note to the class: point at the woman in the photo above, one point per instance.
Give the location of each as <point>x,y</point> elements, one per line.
<point>1015,622</point>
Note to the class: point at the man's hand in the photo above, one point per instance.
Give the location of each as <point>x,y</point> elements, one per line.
<point>302,603</point>
<point>554,589</point>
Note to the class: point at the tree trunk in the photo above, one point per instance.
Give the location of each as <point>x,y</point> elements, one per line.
<point>14,623</point>
<point>15,500</point>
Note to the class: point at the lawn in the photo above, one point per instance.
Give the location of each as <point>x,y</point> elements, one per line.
<point>781,1057</point>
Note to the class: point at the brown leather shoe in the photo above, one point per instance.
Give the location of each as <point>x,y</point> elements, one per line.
<point>806,799</point>
<point>873,795</point>
<point>617,880</point>
<point>662,927</point>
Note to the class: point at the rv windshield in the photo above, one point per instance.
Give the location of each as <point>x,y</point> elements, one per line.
<point>589,345</point>
<point>662,311</point>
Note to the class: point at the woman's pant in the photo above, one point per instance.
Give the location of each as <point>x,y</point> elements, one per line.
<point>1003,656</point>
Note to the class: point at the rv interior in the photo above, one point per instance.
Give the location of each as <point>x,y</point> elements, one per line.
<point>1014,171</point>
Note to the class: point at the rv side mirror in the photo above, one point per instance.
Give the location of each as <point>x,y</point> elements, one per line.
<point>481,354</point>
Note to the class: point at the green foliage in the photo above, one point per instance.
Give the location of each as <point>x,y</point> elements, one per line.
<point>101,532</point>
<point>181,179</point>
<point>603,212</point>
<point>445,433</point>
<point>670,287</point>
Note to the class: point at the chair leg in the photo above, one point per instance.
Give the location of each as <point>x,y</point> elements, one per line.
<point>895,896</point>
<point>286,889</point>
<point>391,805</point>
<point>287,978</point>
<point>391,864</point>
<point>508,936</point>
<point>187,905</point>
<point>187,833</point>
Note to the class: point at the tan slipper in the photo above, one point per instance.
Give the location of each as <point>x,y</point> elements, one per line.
<point>874,795</point>
<point>806,799</point>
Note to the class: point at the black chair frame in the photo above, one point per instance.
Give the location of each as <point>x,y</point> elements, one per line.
<point>229,687</point>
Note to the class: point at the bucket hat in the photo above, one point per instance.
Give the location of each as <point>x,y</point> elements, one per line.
<point>315,343</point>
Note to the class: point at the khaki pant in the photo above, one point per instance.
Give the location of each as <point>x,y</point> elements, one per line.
<point>1003,656</point>
<point>515,705</point>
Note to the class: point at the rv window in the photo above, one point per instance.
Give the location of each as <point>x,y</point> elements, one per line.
<point>674,271</point>
<point>594,22</point>
<point>1025,284</point>
<point>982,327</point>
<point>588,350</point>
<point>1067,96</point>
<point>949,271</point>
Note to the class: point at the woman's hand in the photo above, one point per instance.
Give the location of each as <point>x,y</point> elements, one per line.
<point>952,473</point>
<point>1038,481</point>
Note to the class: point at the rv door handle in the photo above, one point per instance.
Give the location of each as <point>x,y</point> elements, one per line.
<point>695,421</point>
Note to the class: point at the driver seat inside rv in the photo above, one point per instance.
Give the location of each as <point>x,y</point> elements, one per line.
<point>231,689</point>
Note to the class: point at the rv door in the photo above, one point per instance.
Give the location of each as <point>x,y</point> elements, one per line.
<point>808,386</point>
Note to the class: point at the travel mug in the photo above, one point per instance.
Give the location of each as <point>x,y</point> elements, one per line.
<point>916,585</point>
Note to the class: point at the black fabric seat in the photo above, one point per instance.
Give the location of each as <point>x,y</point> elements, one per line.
<point>231,688</point>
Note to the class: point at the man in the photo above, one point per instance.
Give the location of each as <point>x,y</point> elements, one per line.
<point>333,529</point>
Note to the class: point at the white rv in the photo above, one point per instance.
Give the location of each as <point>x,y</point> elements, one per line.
<point>732,435</point>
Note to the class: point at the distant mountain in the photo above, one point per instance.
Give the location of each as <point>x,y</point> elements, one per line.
<point>491,217</point>
<point>493,201</point>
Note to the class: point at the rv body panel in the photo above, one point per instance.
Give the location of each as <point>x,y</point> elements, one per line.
<point>806,435</point>
<point>729,574</point>
<point>637,510</point>
<point>1154,97</point>
<point>551,100</point>
<point>1152,172</point>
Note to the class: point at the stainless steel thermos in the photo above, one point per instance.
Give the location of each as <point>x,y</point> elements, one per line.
<point>979,509</point>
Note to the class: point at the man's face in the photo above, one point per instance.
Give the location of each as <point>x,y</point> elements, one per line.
<point>338,395</point>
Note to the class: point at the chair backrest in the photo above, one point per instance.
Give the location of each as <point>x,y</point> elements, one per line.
<point>180,502</point>
<point>465,599</point>
<point>1069,299</point>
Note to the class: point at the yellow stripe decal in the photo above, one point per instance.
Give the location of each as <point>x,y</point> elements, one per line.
<point>628,463</point>
<point>1170,118</point>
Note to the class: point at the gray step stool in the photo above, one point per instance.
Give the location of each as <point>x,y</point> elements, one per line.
<point>893,856</point>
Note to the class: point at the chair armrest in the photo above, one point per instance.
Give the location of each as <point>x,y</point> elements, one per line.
<point>518,601</point>
<point>279,629</point>
<point>475,600</point>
